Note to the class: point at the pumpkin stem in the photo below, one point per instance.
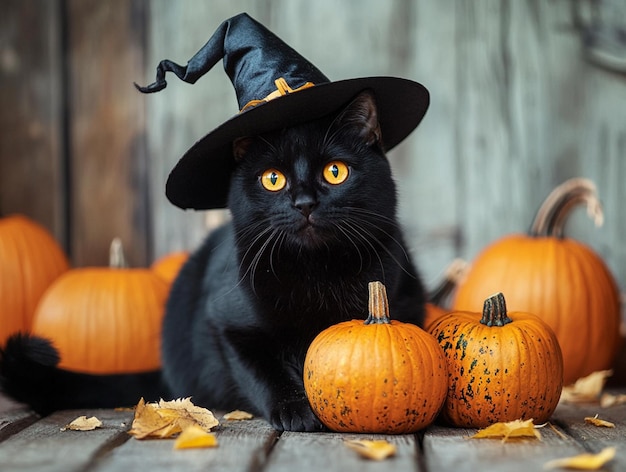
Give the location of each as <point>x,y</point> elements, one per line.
<point>553,212</point>
<point>494,311</point>
<point>452,277</point>
<point>117,260</point>
<point>378,304</point>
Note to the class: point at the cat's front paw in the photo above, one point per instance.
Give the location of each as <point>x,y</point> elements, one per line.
<point>295,415</point>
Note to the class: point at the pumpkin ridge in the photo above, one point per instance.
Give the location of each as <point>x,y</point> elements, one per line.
<point>388,388</point>
<point>598,302</point>
<point>507,372</point>
<point>529,368</point>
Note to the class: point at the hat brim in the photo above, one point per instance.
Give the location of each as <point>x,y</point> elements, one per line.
<point>201,178</point>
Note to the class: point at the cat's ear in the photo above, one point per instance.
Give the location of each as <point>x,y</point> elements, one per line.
<point>240,147</point>
<point>362,116</point>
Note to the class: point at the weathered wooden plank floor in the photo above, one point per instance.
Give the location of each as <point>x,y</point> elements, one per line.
<point>31,443</point>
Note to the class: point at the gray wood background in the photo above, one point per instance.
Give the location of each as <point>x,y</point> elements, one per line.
<point>517,107</point>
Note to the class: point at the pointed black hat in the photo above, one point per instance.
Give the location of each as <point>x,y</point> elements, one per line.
<point>276,87</point>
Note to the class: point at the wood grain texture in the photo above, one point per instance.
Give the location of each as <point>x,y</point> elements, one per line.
<point>242,446</point>
<point>31,97</point>
<point>253,446</point>
<point>14,420</point>
<point>43,447</point>
<point>109,168</point>
<point>571,418</point>
<point>450,449</point>
<point>308,452</point>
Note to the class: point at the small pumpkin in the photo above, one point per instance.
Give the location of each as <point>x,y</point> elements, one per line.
<point>169,265</point>
<point>31,260</point>
<point>559,279</point>
<point>377,375</point>
<point>501,366</point>
<point>105,320</point>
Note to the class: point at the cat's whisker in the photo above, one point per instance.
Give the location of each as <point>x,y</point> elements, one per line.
<point>257,257</point>
<point>391,221</point>
<point>278,241</point>
<point>369,213</point>
<point>358,231</point>
<point>269,144</point>
<point>359,224</point>
<point>329,138</point>
<point>346,233</point>
<point>251,246</point>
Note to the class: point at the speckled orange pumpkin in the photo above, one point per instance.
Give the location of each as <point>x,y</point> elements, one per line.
<point>559,279</point>
<point>377,376</point>
<point>501,366</point>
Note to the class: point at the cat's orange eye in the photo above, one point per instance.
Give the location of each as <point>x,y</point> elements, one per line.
<point>273,180</point>
<point>336,172</point>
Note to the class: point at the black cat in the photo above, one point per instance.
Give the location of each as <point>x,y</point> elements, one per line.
<point>313,221</point>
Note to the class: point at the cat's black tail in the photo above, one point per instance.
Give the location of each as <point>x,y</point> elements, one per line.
<point>29,374</point>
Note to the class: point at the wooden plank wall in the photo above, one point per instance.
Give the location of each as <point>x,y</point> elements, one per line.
<point>516,109</point>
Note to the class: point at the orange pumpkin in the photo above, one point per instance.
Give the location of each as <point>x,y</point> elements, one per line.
<point>377,376</point>
<point>501,366</point>
<point>169,265</point>
<point>104,320</point>
<point>31,260</point>
<point>559,279</point>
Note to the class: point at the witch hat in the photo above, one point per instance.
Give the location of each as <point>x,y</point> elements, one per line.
<point>276,87</point>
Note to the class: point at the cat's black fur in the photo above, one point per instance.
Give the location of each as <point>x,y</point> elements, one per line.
<point>248,303</point>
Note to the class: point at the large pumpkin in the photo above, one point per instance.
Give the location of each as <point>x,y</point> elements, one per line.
<point>169,265</point>
<point>377,376</point>
<point>30,260</point>
<point>501,366</point>
<point>104,320</point>
<point>559,279</point>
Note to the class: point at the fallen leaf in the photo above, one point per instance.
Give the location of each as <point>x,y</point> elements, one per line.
<point>512,429</point>
<point>594,420</point>
<point>583,461</point>
<point>194,437</point>
<point>586,389</point>
<point>82,423</point>
<point>375,450</point>
<point>237,415</point>
<point>608,399</point>
<point>168,418</point>
<point>185,408</point>
<point>148,422</point>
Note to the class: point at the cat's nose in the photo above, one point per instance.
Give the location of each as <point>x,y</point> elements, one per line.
<point>305,204</point>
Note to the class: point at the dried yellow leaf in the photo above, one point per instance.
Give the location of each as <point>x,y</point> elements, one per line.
<point>608,399</point>
<point>583,461</point>
<point>512,429</point>
<point>166,419</point>
<point>193,437</point>
<point>82,423</point>
<point>238,415</point>
<point>184,408</point>
<point>375,450</point>
<point>586,389</point>
<point>594,420</point>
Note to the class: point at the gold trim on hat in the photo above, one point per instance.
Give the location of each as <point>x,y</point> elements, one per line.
<point>282,88</point>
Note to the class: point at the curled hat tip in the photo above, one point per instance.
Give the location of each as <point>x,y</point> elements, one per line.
<point>153,87</point>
